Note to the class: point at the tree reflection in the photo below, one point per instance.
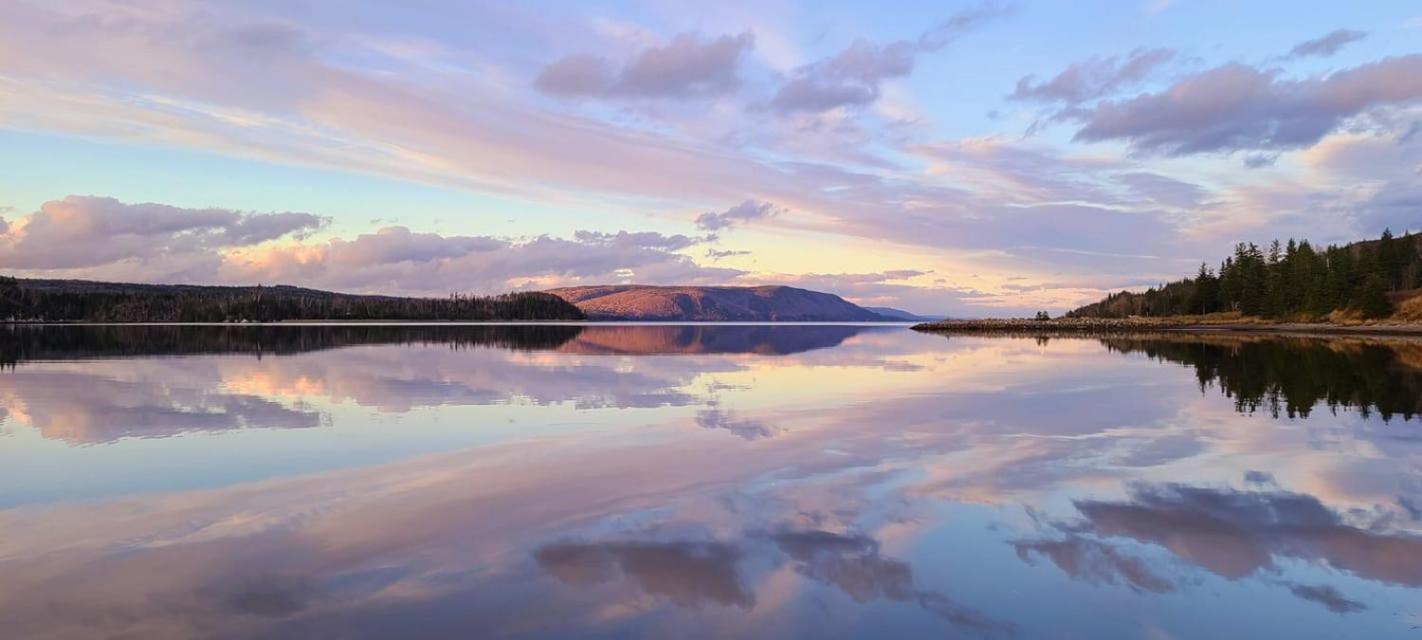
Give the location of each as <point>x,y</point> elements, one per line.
<point>19,343</point>
<point>1292,376</point>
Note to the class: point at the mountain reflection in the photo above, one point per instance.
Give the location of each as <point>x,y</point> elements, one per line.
<point>704,482</point>
<point>21,343</point>
<point>711,339</point>
<point>133,389</point>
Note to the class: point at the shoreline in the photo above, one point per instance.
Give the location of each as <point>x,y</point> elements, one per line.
<point>1112,325</point>
<point>474,323</point>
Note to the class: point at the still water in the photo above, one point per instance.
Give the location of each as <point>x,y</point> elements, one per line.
<point>705,481</point>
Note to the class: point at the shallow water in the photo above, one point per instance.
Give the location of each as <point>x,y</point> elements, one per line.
<point>737,481</point>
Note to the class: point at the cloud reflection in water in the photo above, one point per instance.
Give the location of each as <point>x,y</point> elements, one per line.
<point>884,482</point>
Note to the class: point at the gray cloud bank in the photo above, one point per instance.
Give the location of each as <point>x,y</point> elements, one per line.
<point>82,236</point>
<point>689,65</point>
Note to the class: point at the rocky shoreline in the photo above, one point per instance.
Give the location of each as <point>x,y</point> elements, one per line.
<point>1134,325</point>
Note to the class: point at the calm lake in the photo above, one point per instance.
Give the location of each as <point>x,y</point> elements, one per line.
<point>705,481</point>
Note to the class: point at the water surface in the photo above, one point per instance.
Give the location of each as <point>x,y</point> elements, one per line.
<point>705,481</point>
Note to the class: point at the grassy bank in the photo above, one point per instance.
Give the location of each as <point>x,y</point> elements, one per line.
<point>1213,323</point>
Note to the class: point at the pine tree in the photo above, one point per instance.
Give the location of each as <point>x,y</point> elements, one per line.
<point>1285,280</point>
<point>1205,298</point>
<point>1253,280</point>
<point>1372,298</point>
<point>1389,259</point>
<point>1229,285</point>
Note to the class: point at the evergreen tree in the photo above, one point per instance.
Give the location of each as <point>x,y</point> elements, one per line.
<point>1205,298</point>
<point>1372,298</point>
<point>1253,280</point>
<point>1229,285</point>
<point>1389,259</point>
<point>1275,281</point>
<point>1284,281</point>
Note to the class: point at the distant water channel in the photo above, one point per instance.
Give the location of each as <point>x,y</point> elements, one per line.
<point>672,481</point>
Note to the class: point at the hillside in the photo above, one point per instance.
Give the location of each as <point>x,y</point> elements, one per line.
<point>899,314</point>
<point>763,339</point>
<point>85,301</point>
<point>713,304</point>
<point>1363,280</point>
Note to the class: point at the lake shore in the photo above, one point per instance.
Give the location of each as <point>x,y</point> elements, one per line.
<point>1182,325</point>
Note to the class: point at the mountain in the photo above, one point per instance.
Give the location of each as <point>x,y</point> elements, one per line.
<point>763,339</point>
<point>713,304</point>
<point>899,314</point>
<point>85,301</point>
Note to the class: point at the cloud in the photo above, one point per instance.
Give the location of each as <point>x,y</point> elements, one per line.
<point>1095,563</point>
<point>244,81</point>
<point>465,131</point>
<point>1260,160</point>
<point>1394,206</point>
<point>1372,177</point>
<point>93,237</point>
<point>399,244</point>
<point>394,259</point>
<point>86,231</point>
<point>1162,190</point>
<point>689,574</point>
<point>636,240</point>
<point>742,428</point>
<point>853,564</point>
<point>1153,7</point>
<point>688,66</point>
<point>748,211</point>
<point>1094,78</point>
<point>1327,45</point>
<point>1236,107</point>
<point>1328,597</point>
<point>1239,533</point>
<point>880,288</point>
<point>126,402</point>
<point>853,77</point>
<point>716,254</point>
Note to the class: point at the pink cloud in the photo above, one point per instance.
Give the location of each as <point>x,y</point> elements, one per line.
<point>1238,107</point>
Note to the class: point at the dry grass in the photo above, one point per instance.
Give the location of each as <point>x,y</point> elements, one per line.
<point>1344,316</point>
<point>1409,310</point>
<point>1407,320</point>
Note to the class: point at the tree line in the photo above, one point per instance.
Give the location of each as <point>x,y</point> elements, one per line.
<point>75,301</point>
<point>1290,280</point>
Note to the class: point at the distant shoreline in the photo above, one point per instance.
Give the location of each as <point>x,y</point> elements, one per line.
<point>1132,325</point>
<point>471,323</point>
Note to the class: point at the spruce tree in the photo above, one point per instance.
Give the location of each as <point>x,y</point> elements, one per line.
<point>1389,258</point>
<point>1372,298</point>
<point>1207,292</point>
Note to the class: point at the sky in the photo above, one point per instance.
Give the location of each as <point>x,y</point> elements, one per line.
<point>950,158</point>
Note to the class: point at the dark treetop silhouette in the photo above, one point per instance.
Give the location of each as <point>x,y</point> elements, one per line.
<point>1284,281</point>
<point>82,301</point>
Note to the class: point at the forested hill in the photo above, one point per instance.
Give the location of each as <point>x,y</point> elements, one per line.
<point>1293,280</point>
<point>713,304</point>
<point>84,301</point>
